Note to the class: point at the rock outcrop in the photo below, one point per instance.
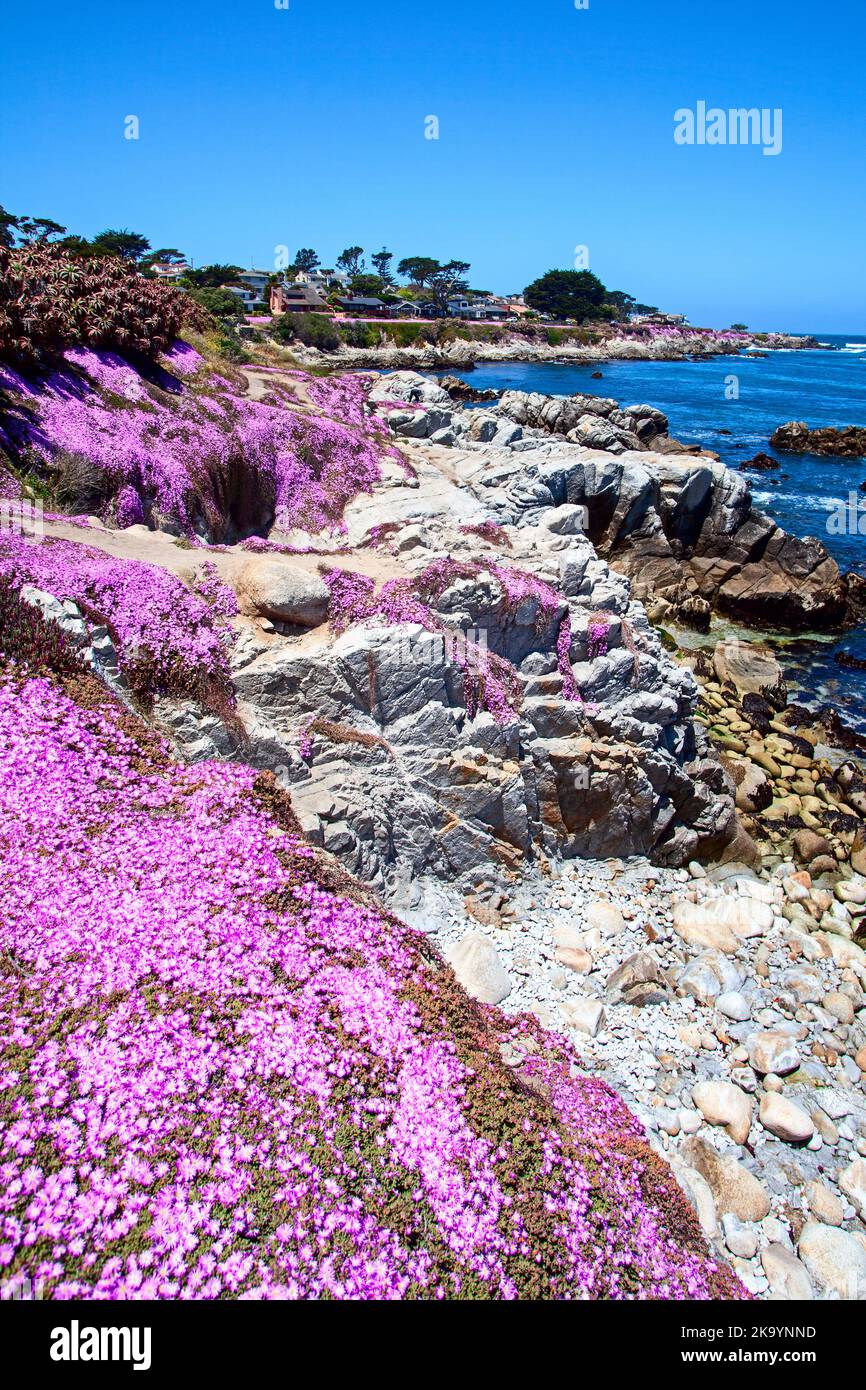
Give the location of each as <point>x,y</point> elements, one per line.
<point>682,527</point>
<point>797,438</point>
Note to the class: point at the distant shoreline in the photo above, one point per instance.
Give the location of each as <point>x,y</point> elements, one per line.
<point>466,352</point>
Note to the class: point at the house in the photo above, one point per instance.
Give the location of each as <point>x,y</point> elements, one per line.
<point>323,280</point>
<point>518,306</point>
<point>660,320</point>
<point>289,297</point>
<point>257,281</point>
<point>247,297</point>
<point>491,308</point>
<point>363,306</point>
<point>169,273</point>
<point>459,307</point>
<point>405,309</point>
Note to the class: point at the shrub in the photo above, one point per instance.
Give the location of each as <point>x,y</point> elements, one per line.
<point>221,303</point>
<point>312,330</point>
<point>360,335</point>
<point>82,484</point>
<point>26,636</point>
<point>50,300</point>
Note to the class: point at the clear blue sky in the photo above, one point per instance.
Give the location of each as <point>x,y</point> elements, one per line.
<point>261,127</point>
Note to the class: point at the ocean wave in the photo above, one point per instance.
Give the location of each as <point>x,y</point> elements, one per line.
<point>801,499</point>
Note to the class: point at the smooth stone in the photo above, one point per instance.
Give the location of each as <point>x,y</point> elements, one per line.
<point>578,961</point>
<point>722,1103</point>
<point>835,1259</point>
<point>478,967</point>
<point>824,1204</point>
<point>283,592</point>
<point>586,1015</point>
<point>734,1188</point>
<point>839,1005</point>
<point>606,917</point>
<point>738,1238</point>
<point>787,1276</point>
<point>721,922</point>
<point>852,1181</point>
<point>785,1119</point>
<point>771,1051</point>
<point>734,1005</point>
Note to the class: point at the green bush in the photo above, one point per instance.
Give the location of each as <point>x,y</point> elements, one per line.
<point>360,335</point>
<point>312,330</point>
<point>221,303</point>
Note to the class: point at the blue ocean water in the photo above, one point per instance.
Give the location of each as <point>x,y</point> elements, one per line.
<point>822,387</point>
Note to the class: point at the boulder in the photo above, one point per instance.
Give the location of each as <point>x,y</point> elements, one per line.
<point>835,1260</point>
<point>734,1188</point>
<point>772,1051</point>
<point>722,1103</point>
<point>708,976</point>
<point>852,1181</point>
<point>638,981</point>
<point>809,846</point>
<point>824,1204</point>
<point>720,923</point>
<point>785,1119</point>
<point>605,917</point>
<point>796,437</point>
<point>586,1015</point>
<point>787,1276</point>
<point>734,1006</point>
<point>751,669</point>
<point>478,967</point>
<point>578,960</point>
<point>284,592</point>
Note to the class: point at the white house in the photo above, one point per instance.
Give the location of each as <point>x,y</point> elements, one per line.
<point>323,280</point>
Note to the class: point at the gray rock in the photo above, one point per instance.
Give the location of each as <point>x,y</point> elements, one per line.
<point>478,967</point>
<point>284,592</point>
<point>834,1259</point>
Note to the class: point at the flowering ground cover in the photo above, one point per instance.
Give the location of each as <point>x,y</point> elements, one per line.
<point>490,681</point>
<point>181,444</point>
<point>170,640</point>
<point>227,1071</point>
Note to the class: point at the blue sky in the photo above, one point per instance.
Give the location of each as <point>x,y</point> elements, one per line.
<point>261,127</point>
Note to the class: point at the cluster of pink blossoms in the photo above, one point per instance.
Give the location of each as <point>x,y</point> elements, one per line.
<point>193,450</point>
<point>491,682</point>
<point>221,1079</point>
<point>179,638</point>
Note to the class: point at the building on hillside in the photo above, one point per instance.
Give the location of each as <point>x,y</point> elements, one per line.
<point>490,308</point>
<point>257,281</point>
<point>249,299</point>
<point>289,297</point>
<point>660,320</point>
<point>169,273</point>
<point>405,309</point>
<point>459,307</point>
<point>363,306</point>
<point>323,280</point>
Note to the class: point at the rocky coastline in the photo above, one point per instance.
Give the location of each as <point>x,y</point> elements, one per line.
<point>464,352</point>
<point>472,702</point>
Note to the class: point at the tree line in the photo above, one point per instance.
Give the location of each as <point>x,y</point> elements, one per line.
<point>576,295</point>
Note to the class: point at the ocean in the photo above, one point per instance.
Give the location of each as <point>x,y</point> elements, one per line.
<point>735,418</point>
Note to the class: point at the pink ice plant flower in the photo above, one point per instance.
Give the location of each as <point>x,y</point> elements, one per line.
<point>183,447</point>
<point>155,619</point>
<point>220,1079</point>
